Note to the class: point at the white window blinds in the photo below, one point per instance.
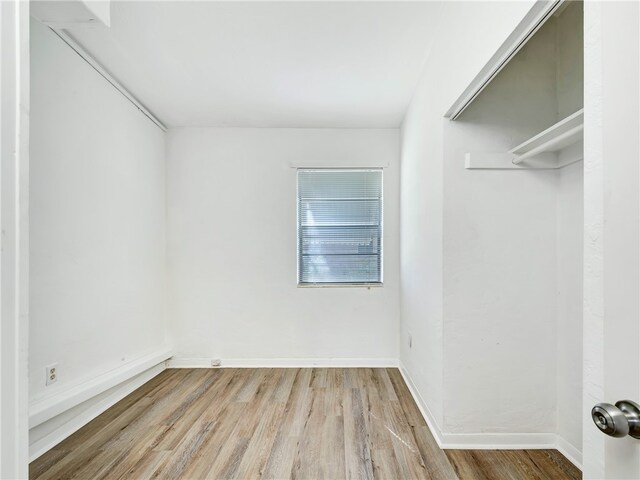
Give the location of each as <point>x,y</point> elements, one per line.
<point>339,226</point>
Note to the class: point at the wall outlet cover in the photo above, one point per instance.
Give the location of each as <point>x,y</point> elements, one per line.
<point>52,374</point>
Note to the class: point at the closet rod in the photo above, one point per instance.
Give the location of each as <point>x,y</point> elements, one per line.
<point>93,63</point>
<point>548,146</point>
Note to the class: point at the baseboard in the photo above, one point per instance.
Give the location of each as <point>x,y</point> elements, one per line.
<point>490,441</point>
<point>284,362</point>
<point>60,401</point>
<point>182,362</point>
<point>436,432</point>
<point>499,441</point>
<point>48,434</point>
<point>54,419</point>
<point>570,452</point>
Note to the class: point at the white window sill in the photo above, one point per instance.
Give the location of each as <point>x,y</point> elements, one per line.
<point>340,285</point>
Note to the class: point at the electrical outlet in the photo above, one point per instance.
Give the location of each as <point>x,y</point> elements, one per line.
<point>410,340</point>
<point>216,362</point>
<point>52,374</point>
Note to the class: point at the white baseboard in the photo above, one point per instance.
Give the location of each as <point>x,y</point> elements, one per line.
<point>570,452</point>
<point>285,362</point>
<point>423,407</point>
<point>55,417</point>
<point>499,441</point>
<point>174,362</point>
<point>60,401</point>
<point>48,434</point>
<point>490,441</point>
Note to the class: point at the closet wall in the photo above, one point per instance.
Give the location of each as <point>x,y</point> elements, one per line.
<point>512,250</point>
<point>569,231</point>
<point>510,335</point>
<point>470,32</point>
<point>500,258</point>
<point>569,303</point>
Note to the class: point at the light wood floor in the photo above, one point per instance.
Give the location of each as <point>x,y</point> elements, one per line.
<point>277,424</point>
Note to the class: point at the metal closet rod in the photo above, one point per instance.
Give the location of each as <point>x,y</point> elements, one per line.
<point>86,56</point>
<point>548,145</point>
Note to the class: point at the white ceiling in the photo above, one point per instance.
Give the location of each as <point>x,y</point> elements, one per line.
<point>267,64</point>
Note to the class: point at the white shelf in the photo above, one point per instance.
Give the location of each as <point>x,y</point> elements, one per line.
<point>556,147</point>
<point>554,139</point>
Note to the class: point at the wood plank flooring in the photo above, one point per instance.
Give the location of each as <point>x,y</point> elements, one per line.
<point>336,423</point>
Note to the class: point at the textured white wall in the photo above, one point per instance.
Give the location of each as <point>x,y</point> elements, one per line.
<point>500,258</point>
<point>570,220</point>
<point>470,32</point>
<point>97,222</point>
<point>232,247</point>
<point>481,280</point>
<point>570,228</point>
<point>421,247</point>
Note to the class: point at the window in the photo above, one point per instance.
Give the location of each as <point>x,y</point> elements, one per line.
<point>339,226</point>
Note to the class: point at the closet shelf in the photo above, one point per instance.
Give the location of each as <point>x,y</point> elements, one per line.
<point>556,147</point>
<point>555,138</point>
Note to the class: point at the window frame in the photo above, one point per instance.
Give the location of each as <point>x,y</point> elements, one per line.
<point>367,285</point>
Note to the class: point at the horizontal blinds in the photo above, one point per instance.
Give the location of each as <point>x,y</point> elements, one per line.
<point>340,226</point>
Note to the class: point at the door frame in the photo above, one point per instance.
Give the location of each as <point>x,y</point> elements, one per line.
<point>611,313</point>
<point>14,258</point>
<point>607,225</point>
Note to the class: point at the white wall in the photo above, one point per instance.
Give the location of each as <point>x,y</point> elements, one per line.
<point>470,32</point>
<point>232,248</point>
<point>487,300</point>
<point>421,247</point>
<point>97,223</point>
<point>500,258</point>
<point>569,233</point>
